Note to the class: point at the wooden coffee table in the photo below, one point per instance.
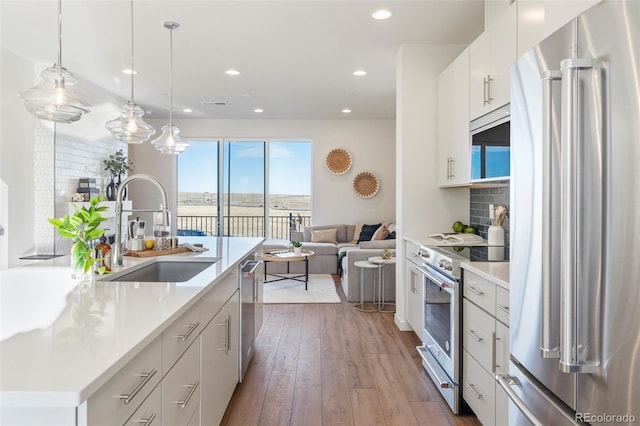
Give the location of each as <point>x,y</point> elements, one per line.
<point>287,256</point>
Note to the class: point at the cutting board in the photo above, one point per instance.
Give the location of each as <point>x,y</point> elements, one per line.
<point>149,253</point>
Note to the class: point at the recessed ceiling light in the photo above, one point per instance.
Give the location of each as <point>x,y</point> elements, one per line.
<point>187,110</point>
<point>381,14</point>
<point>346,111</point>
<point>359,73</point>
<point>232,72</point>
<point>258,110</point>
<point>129,72</point>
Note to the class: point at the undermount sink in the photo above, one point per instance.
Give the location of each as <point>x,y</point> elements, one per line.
<point>164,271</point>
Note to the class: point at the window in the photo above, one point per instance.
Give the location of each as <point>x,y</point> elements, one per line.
<point>258,182</point>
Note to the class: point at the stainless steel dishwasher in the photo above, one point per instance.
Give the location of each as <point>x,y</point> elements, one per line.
<point>251,280</point>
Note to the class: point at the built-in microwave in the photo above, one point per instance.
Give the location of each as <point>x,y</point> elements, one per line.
<point>490,146</point>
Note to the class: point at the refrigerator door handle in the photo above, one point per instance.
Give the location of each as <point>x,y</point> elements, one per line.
<point>549,347</point>
<point>506,382</point>
<point>577,355</point>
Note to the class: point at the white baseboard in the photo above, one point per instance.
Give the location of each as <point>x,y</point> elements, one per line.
<point>401,324</point>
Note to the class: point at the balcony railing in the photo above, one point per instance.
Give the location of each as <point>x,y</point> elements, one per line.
<point>241,226</point>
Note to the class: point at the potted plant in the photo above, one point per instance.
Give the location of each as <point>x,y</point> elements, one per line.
<point>82,227</point>
<point>117,165</point>
<point>297,247</point>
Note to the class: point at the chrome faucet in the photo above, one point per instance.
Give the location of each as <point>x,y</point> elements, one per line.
<point>117,249</point>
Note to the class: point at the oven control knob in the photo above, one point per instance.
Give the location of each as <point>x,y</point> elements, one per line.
<point>441,263</point>
<point>448,267</point>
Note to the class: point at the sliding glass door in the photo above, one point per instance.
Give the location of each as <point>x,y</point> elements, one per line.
<point>248,187</point>
<point>244,189</point>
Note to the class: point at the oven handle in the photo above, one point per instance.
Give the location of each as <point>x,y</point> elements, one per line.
<point>444,384</point>
<point>446,285</point>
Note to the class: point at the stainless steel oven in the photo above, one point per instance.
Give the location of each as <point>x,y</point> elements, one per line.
<point>440,350</point>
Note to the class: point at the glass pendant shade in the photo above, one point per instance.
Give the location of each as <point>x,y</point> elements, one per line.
<point>170,142</point>
<point>55,98</point>
<point>129,126</point>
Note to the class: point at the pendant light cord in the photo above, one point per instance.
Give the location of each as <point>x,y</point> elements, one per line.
<point>60,33</point>
<point>170,75</point>
<point>132,56</point>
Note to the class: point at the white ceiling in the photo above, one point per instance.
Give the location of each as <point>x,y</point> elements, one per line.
<point>296,57</point>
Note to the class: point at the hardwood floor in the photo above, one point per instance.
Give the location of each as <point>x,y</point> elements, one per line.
<point>328,364</point>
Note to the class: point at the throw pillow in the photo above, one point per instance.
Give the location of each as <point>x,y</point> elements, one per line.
<point>391,236</point>
<point>324,236</point>
<point>381,233</point>
<point>367,232</point>
<point>356,233</point>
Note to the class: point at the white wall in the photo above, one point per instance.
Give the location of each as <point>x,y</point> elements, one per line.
<point>370,142</point>
<point>17,155</point>
<point>421,207</point>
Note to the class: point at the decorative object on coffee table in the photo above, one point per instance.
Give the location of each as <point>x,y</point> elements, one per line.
<point>366,185</point>
<point>339,161</point>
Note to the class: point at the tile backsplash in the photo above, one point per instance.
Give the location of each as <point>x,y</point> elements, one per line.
<point>479,208</point>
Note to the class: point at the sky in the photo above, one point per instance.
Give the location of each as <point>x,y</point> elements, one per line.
<point>289,167</point>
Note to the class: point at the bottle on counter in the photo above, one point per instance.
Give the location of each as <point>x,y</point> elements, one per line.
<point>103,251</point>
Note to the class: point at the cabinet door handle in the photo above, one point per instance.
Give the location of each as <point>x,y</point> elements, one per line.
<point>147,421</point>
<point>186,335</point>
<point>503,308</point>
<point>475,291</point>
<point>451,174</point>
<point>227,335</point>
<point>145,379</point>
<point>487,90</point>
<point>494,343</point>
<point>473,390</point>
<point>474,335</point>
<point>192,388</point>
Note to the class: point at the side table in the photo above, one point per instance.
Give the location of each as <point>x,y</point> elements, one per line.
<point>381,262</point>
<point>362,265</point>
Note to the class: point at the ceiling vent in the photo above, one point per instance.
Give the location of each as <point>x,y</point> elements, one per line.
<point>215,103</point>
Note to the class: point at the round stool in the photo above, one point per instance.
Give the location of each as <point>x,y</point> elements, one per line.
<point>381,262</point>
<point>362,265</point>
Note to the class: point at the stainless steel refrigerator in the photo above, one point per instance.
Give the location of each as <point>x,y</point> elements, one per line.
<point>575,223</point>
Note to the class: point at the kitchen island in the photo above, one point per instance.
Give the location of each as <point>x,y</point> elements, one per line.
<point>62,342</point>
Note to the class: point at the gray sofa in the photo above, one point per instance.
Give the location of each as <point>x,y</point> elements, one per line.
<point>327,255</point>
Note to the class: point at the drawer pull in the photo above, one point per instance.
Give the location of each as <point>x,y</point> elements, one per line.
<point>146,422</point>
<point>476,291</point>
<point>473,390</point>
<point>145,379</point>
<point>474,335</point>
<point>503,308</point>
<point>186,335</point>
<point>192,388</point>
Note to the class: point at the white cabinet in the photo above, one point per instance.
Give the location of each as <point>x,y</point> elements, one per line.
<point>453,123</point>
<point>490,59</point>
<point>117,399</point>
<point>181,388</point>
<point>485,342</point>
<point>220,350</point>
<point>150,412</point>
<point>415,289</point>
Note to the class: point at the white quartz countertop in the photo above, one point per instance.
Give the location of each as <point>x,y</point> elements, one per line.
<point>496,272</point>
<point>59,341</point>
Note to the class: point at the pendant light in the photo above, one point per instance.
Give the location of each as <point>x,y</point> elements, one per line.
<point>170,142</point>
<point>129,126</point>
<point>54,98</point>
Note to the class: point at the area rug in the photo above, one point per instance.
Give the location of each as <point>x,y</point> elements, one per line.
<point>322,289</point>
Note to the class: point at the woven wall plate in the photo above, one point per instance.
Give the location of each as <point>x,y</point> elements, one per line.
<point>338,161</point>
<point>366,185</point>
